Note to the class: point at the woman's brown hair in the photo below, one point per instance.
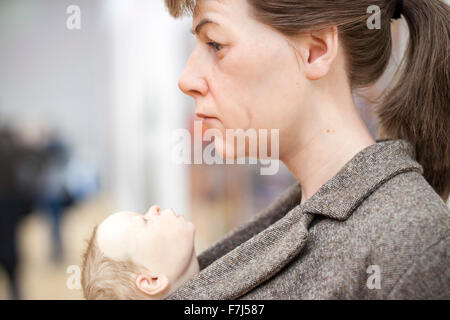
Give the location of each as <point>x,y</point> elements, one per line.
<point>416,105</point>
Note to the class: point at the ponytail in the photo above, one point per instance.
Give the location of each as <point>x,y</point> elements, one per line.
<point>417,106</point>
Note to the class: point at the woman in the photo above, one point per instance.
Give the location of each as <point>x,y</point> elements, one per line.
<point>367,218</point>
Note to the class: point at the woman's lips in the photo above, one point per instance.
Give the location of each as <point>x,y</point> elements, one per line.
<point>204,116</point>
<point>208,121</point>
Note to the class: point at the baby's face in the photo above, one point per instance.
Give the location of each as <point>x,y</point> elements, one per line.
<point>160,240</point>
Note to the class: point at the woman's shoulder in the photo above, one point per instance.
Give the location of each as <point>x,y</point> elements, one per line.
<point>402,228</point>
<point>407,201</point>
<point>414,227</point>
<point>404,221</point>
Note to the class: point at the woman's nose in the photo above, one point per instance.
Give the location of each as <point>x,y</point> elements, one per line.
<point>191,81</point>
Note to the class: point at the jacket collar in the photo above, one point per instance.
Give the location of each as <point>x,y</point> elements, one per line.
<point>362,175</point>
<point>253,253</point>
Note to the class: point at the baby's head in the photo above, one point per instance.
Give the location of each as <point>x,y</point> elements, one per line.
<point>134,256</point>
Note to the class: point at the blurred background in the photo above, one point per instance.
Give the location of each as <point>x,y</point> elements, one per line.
<point>87,112</point>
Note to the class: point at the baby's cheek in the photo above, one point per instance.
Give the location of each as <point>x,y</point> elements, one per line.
<point>144,242</point>
<point>117,251</point>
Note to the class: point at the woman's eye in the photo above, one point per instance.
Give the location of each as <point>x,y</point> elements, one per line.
<point>215,45</point>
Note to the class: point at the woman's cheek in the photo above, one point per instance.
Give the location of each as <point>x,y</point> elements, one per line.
<point>235,116</point>
<point>219,147</point>
<point>223,150</point>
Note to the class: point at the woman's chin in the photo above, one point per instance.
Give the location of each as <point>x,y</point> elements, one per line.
<point>224,151</point>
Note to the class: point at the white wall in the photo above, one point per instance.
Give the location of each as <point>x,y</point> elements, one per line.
<point>149,55</point>
<point>110,88</point>
<point>53,75</point>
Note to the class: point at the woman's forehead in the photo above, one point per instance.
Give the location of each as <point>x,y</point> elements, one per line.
<point>227,14</point>
<point>204,7</point>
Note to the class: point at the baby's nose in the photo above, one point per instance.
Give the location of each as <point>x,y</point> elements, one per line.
<point>154,210</point>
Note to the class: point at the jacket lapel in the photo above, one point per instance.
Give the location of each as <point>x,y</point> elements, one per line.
<point>260,221</point>
<point>250,263</point>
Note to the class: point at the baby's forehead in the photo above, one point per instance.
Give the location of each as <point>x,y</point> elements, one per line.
<point>112,232</point>
<point>116,224</point>
<point>118,219</point>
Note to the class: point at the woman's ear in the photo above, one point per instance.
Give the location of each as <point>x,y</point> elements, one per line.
<point>320,48</point>
<point>151,286</point>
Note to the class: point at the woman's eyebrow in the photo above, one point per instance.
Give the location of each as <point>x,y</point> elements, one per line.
<point>200,25</point>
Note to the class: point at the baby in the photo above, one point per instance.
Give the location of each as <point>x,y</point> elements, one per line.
<point>134,256</point>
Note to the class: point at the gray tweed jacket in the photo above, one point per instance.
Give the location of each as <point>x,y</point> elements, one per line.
<point>376,230</point>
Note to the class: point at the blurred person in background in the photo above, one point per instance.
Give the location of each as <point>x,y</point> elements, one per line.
<point>37,173</point>
<point>65,181</point>
<point>54,197</point>
<point>20,167</point>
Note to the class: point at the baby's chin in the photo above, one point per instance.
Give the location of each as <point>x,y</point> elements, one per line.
<point>194,267</point>
<point>191,226</point>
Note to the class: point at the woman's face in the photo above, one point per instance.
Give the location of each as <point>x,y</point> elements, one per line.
<point>242,73</point>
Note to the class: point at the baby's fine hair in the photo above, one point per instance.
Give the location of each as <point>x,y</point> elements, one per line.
<point>103,278</point>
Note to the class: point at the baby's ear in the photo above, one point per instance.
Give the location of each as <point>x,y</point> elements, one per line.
<point>151,286</point>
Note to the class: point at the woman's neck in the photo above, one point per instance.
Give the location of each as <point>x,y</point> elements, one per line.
<point>326,147</point>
